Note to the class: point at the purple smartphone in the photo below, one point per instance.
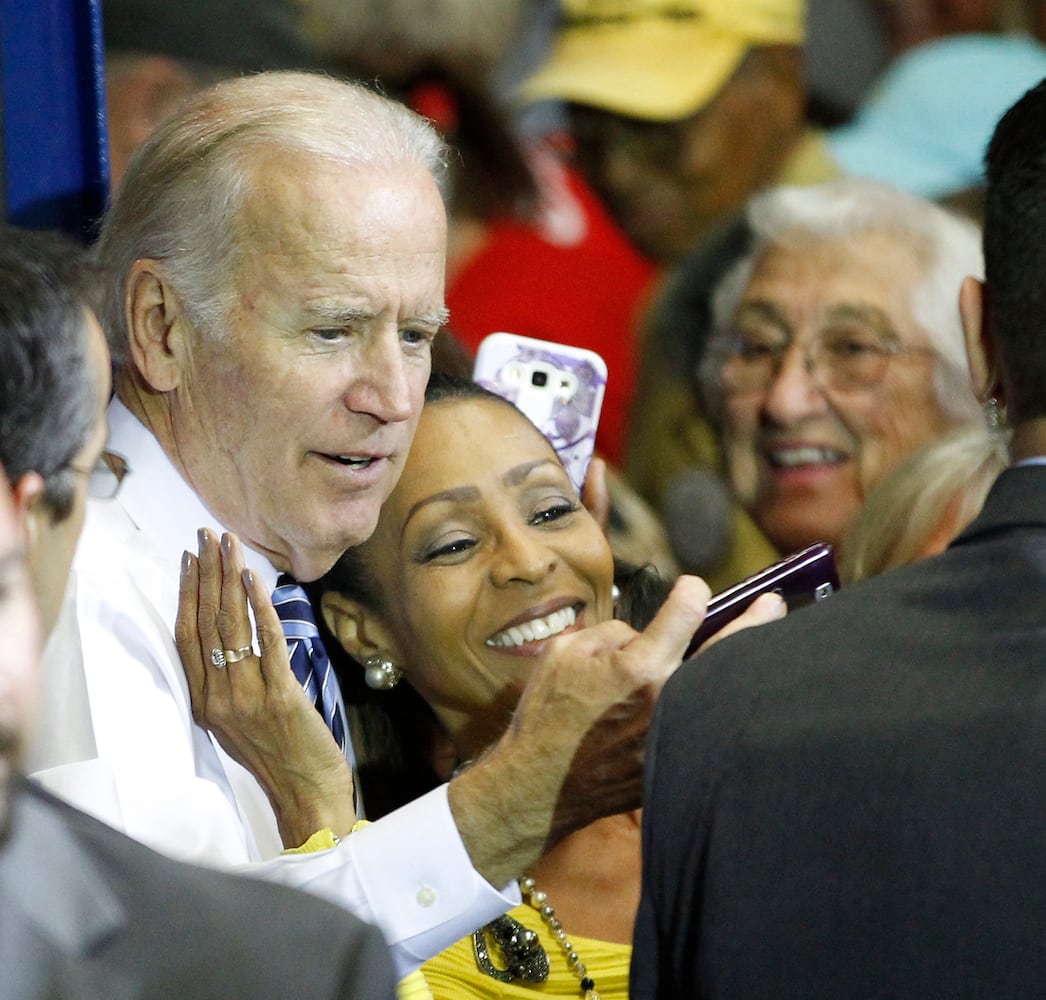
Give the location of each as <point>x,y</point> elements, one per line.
<point>558,386</point>
<point>804,577</point>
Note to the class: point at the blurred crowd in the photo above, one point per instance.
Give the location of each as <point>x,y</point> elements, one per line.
<point>766,216</point>
<point>599,192</point>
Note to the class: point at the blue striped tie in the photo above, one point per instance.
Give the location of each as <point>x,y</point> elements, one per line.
<point>309,659</point>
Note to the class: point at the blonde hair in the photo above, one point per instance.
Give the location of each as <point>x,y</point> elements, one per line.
<point>923,502</point>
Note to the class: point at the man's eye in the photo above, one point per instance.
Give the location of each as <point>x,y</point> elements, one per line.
<point>329,333</point>
<point>750,350</point>
<point>415,337</point>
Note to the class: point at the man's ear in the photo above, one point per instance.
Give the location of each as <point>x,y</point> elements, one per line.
<point>157,326</point>
<point>980,352</point>
<point>31,509</point>
<point>360,631</point>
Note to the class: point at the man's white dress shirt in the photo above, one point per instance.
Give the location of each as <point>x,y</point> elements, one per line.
<point>116,735</point>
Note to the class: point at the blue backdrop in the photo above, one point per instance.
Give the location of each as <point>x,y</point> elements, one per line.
<point>55,168</point>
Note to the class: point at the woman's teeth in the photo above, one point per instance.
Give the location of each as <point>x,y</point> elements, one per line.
<point>532,631</point>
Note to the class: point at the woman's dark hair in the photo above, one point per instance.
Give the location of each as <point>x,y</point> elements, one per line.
<point>395,732</point>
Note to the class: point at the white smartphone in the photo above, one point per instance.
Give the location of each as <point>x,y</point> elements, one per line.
<point>559,387</point>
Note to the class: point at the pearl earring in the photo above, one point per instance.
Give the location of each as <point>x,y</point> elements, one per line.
<point>380,673</point>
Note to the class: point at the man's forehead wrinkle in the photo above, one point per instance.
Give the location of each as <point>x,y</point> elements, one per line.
<point>337,313</point>
<point>344,257</point>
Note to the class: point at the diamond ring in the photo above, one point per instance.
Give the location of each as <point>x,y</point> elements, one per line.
<point>221,658</point>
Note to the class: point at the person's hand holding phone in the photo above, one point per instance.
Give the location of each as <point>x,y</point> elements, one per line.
<point>765,608</point>
<point>804,577</point>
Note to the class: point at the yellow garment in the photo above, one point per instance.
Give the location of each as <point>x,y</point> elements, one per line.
<point>321,840</point>
<point>657,59</point>
<point>413,987</point>
<point>454,975</point>
<point>810,162</point>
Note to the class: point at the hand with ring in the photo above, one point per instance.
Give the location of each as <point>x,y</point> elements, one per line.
<point>248,696</point>
<point>221,658</point>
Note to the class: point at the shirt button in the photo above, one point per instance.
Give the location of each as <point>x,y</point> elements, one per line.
<point>426,896</point>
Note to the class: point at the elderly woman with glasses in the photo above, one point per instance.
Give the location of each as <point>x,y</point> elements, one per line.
<point>837,350</point>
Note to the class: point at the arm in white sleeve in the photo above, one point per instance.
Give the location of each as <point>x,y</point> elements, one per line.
<point>408,873</point>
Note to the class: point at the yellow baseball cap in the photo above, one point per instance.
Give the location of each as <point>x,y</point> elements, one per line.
<point>657,59</point>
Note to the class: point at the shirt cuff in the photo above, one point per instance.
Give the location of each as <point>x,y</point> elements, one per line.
<point>414,866</point>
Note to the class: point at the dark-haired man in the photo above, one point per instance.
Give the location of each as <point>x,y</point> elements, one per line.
<point>850,803</point>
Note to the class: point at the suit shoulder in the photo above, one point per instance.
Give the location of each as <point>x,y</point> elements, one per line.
<point>211,934</point>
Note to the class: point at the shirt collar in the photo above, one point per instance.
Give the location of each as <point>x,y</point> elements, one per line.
<point>160,502</point>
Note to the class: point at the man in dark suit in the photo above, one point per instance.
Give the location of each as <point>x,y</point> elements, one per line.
<point>85,912</point>
<point>852,802</point>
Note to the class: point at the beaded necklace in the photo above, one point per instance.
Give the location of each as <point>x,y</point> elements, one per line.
<point>539,900</point>
<point>525,958</point>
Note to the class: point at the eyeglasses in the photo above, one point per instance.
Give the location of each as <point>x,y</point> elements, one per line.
<point>839,359</point>
<point>103,479</point>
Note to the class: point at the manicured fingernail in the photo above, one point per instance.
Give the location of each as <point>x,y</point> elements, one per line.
<point>226,544</point>
<point>202,537</point>
<point>186,563</point>
<point>248,578</point>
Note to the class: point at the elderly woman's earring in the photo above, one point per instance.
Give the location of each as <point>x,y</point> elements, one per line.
<point>380,673</point>
<point>994,415</point>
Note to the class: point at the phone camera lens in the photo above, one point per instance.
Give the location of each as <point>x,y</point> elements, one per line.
<point>539,379</point>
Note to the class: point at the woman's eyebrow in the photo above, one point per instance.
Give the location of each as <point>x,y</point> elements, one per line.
<point>518,473</point>
<point>458,494</point>
<point>468,494</point>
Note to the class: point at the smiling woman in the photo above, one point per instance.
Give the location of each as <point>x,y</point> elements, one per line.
<point>482,552</point>
<point>482,555</point>
<point>441,591</point>
<point>476,559</point>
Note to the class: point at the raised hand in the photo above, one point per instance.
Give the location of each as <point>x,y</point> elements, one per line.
<point>575,748</point>
<point>250,700</point>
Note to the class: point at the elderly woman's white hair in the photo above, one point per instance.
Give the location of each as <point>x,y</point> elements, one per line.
<point>793,217</point>
<point>185,187</point>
